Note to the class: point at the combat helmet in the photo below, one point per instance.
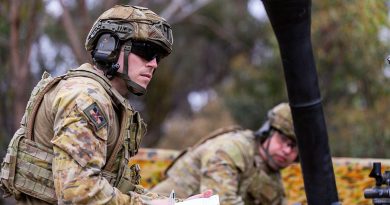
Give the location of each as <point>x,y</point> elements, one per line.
<point>125,25</point>
<point>279,118</point>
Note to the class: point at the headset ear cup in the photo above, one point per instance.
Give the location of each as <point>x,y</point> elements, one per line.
<point>263,132</point>
<point>106,52</point>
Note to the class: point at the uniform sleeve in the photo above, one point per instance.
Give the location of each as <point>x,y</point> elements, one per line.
<point>81,128</point>
<point>221,173</point>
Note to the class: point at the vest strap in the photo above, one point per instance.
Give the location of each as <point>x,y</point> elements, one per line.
<point>212,135</point>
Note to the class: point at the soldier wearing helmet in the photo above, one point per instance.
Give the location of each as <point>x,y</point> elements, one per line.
<point>79,130</point>
<point>279,126</point>
<point>241,166</point>
<point>122,32</point>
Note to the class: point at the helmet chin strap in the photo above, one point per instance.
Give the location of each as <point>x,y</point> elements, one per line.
<point>270,161</point>
<point>131,85</point>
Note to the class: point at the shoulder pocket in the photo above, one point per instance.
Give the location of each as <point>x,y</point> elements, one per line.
<point>95,116</point>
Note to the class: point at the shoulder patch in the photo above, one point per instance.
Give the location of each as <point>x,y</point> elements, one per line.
<point>94,113</point>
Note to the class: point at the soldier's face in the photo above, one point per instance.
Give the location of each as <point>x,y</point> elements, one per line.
<point>282,150</point>
<point>141,70</point>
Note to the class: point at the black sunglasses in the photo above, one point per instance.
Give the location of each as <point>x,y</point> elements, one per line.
<point>147,51</point>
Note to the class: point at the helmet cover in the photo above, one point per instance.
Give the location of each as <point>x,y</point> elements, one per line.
<point>132,23</point>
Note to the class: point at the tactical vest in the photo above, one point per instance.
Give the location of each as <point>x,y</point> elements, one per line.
<point>26,168</point>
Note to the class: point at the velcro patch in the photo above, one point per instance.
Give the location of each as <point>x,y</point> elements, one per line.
<point>95,115</point>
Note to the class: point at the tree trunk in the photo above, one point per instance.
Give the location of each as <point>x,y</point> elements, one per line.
<point>73,35</point>
<point>20,49</point>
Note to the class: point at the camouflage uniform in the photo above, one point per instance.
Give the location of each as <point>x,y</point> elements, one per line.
<point>82,142</point>
<point>80,121</point>
<point>230,165</point>
<point>78,132</point>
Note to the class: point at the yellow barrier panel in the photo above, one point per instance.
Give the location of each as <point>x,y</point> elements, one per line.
<point>153,163</point>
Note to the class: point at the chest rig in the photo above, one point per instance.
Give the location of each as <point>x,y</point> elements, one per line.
<point>27,166</point>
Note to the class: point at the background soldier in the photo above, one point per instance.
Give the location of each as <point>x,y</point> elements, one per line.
<point>79,130</point>
<point>242,166</point>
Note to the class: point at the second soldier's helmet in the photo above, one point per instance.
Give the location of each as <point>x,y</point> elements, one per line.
<point>279,118</point>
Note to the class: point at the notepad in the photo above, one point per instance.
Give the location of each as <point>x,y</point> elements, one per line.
<point>213,200</point>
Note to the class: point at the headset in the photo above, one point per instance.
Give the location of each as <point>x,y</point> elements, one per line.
<point>263,132</point>
<point>106,53</point>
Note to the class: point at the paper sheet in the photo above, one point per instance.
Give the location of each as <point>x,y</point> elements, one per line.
<point>213,200</point>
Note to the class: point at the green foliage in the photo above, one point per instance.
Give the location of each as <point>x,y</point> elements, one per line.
<point>350,59</point>
<point>252,90</point>
<point>217,47</point>
<point>349,56</point>
<point>205,44</point>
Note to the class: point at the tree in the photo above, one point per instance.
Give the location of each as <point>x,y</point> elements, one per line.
<point>206,45</point>
<point>350,52</point>
<point>351,56</point>
<point>23,33</point>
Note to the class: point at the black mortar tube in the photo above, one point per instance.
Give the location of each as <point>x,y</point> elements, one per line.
<point>291,21</point>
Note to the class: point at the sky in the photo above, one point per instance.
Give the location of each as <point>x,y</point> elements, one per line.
<point>256,9</point>
<point>53,7</point>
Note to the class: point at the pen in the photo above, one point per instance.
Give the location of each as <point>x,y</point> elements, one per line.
<point>172,198</point>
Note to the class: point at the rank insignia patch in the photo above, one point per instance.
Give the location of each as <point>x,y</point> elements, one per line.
<point>95,115</point>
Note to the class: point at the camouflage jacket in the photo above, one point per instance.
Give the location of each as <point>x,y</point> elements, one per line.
<point>230,165</point>
<point>79,121</point>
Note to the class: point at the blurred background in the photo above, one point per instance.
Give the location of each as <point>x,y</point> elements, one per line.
<point>225,68</point>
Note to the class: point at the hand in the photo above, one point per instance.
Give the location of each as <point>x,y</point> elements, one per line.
<point>205,194</point>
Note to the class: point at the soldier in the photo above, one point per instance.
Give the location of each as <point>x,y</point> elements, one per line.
<point>242,166</point>
<point>79,130</point>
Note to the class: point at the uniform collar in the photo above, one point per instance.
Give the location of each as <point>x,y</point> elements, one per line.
<point>118,99</point>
